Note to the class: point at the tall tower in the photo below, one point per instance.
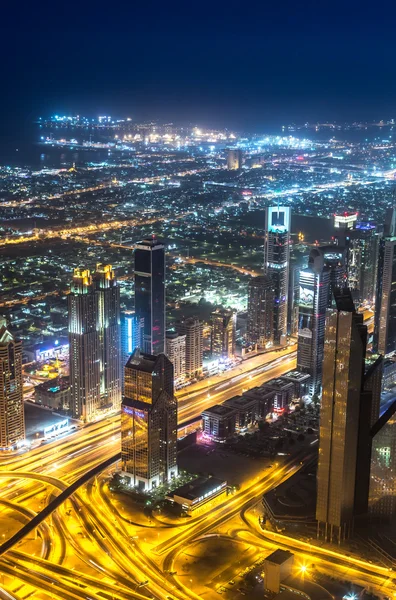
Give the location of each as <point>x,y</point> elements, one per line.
<point>193,330</point>
<point>148,422</point>
<point>362,261</point>
<point>276,265</point>
<point>150,293</point>
<point>222,341</point>
<point>12,420</point>
<point>313,299</point>
<point>108,323</point>
<point>260,310</point>
<point>385,306</point>
<point>343,380</point>
<point>84,347</point>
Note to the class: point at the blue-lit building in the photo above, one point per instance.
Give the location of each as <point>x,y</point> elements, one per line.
<point>150,294</point>
<point>131,337</point>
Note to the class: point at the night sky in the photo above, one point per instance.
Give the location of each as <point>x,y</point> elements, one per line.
<point>243,64</point>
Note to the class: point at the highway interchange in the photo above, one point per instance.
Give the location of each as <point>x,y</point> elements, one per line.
<point>97,545</point>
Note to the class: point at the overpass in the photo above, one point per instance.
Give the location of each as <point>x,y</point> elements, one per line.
<point>54,504</point>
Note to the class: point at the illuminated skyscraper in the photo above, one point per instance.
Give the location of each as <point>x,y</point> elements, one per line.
<point>148,422</point>
<point>84,347</point>
<point>345,220</point>
<point>234,159</point>
<point>276,265</point>
<point>12,420</point>
<point>108,303</point>
<point>362,244</point>
<point>176,352</point>
<point>313,299</point>
<point>150,294</point>
<point>94,343</point>
<point>222,341</point>
<point>193,330</point>
<point>335,261</point>
<point>260,311</point>
<point>131,334</point>
<point>343,381</point>
<point>385,305</point>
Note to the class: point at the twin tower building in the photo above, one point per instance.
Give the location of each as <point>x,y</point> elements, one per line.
<point>99,347</point>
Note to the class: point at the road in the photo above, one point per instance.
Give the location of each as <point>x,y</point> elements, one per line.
<point>97,546</point>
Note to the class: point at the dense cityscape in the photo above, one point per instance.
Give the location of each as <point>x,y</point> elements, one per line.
<point>198,362</point>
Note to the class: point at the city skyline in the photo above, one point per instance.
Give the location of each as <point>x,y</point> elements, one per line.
<point>194,313</point>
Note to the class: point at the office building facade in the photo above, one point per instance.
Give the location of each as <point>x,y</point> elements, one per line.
<point>276,265</point>
<point>313,301</point>
<point>148,422</point>
<point>150,294</point>
<point>94,343</point>
<point>260,311</point>
<point>234,159</point>
<point>222,340</point>
<point>83,347</point>
<point>176,352</point>
<point>343,377</point>
<point>363,245</point>
<point>131,338</point>
<point>385,306</point>
<point>193,330</point>
<point>109,329</point>
<point>12,420</point>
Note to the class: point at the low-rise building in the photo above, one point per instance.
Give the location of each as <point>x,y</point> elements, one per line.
<point>264,399</point>
<point>246,410</point>
<point>277,566</point>
<point>300,382</point>
<point>219,422</point>
<point>284,392</point>
<point>54,393</point>
<point>199,493</point>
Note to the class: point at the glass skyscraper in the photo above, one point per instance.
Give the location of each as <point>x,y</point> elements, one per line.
<point>276,265</point>
<point>12,420</point>
<point>94,343</point>
<point>150,294</point>
<point>343,380</point>
<point>313,299</point>
<point>148,422</point>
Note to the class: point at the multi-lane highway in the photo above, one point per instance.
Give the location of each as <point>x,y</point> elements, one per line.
<point>98,545</point>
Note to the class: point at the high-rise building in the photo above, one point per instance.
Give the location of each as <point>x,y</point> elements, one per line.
<point>193,330</point>
<point>362,244</point>
<point>222,340</point>
<point>131,335</point>
<point>335,260</point>
<point>313,300</point>
<point>276,265</point>
<point>345,220</point>
<point>234,159</point>
<point>385,305</point>
<point>84,347</point>
<point>343,381</point>
<point>298,262</point>
<point>176,352</point>
<point>94,343</point>
<point>148,422</point>
<point>108,323</point>
<point>260,311</point>
<point>150,293</point>
<point>12,420</point>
